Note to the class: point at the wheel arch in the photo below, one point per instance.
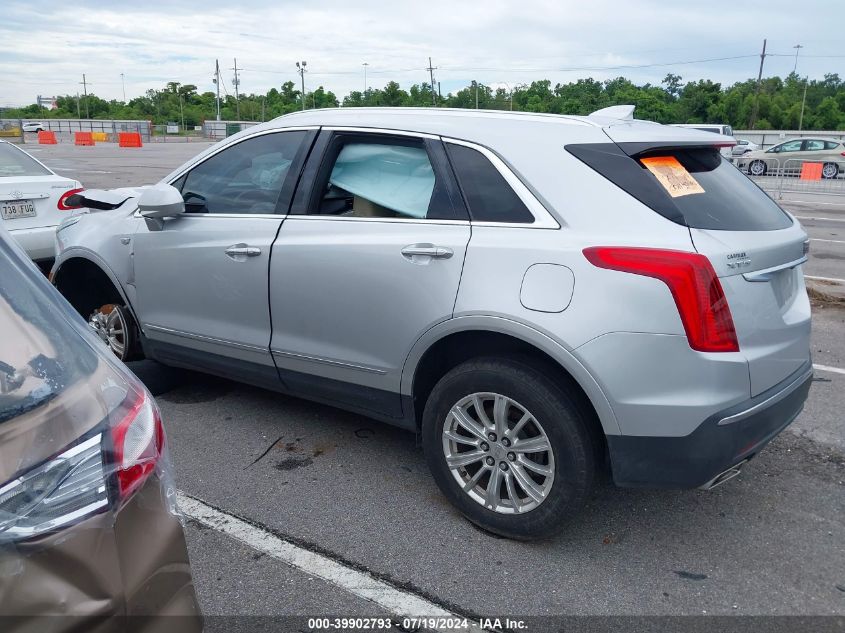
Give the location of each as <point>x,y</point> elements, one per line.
<point>461,338</point>
<point>76,266</point>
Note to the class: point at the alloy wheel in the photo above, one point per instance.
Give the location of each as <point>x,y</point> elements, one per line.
<point>498,453</point>
<point>109,323</point>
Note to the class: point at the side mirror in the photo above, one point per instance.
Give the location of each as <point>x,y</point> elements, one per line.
<point>161,201</point>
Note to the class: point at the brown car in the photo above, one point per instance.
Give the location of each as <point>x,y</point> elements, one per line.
<point>88,525</point>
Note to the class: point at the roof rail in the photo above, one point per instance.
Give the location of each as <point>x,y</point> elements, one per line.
<point>621,112</point>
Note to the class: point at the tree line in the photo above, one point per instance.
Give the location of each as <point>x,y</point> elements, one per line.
<point>673,101</point>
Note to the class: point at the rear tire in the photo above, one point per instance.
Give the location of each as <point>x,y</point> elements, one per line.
<point>830,170</point>
<point>757,168</point>
<point>560,473</point>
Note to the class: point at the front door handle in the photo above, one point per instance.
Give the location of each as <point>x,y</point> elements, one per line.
<point>427,250</point>
<point>241,251</point>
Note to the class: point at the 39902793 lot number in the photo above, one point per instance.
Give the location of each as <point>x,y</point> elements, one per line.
<point>17,209</point>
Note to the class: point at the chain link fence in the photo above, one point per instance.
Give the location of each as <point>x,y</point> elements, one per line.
<point>104,129</point>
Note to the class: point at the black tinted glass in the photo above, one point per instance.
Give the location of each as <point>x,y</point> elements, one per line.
<point>489,197</point>
<point>729,202</point>
<point>728,199</point>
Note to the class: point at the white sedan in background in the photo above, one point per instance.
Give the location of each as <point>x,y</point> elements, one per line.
<point>33,200</point>
<point>743,146</point>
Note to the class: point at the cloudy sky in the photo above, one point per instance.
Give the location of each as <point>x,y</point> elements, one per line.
<point>47,46</point>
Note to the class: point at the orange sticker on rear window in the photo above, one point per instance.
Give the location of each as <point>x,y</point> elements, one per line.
<point>672,175</point>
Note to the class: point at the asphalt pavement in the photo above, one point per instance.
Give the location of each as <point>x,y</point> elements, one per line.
<point>307,480</point>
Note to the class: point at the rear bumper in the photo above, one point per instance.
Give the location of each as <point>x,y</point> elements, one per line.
<point>39,243</point>
<point>723,440</point>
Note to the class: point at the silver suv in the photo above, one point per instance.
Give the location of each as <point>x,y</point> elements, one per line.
<point>539,297</point>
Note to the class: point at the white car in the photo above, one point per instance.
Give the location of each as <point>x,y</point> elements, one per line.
<point>743,146</point>
<point>33,200</point>
<point>33,126</point>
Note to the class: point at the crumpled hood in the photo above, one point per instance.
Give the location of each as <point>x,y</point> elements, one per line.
<point>109,199</point>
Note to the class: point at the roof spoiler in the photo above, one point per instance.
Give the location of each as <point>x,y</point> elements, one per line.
<point>620,112</point>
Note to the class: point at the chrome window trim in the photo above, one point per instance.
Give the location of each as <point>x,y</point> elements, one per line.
<point>190,166</point>
<point>543,219</point>
<point>346,218</point>
<point>265,216</point>
<point>379,130</point>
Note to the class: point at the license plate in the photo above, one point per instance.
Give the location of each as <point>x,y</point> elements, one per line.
<point>17,209</point>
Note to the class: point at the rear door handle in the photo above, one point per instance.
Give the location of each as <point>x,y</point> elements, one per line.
<point>241,251</point>
<point>428,250</point>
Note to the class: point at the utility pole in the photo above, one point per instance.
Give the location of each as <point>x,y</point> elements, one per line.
<point>237,83</point>
<point>803,101</point>
<point>431,70</point>
<point>365,64</point>
<point>475,83</point>
<point>757,93</point>
<point>217,84</point>
<point>797,48</point>
<point>78,113</point>
<point>85,91</point>
<point>123,85</point>
<point>181,112</point>
<point>301,70</point>
<point>263,99</point>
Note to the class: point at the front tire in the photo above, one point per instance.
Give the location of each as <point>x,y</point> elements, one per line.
<point>509,447</point>
<point>115,326</point>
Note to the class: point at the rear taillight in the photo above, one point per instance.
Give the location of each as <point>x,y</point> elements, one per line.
<point>138,440</point>
<point>66,205</point>
<point>695,287</point>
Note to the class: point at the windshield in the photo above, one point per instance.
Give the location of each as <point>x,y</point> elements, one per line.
<point>15,162</point>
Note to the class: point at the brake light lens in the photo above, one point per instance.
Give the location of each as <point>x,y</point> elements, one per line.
<point>696,289</point>
<point>138,440</point>
<point>63,200</point>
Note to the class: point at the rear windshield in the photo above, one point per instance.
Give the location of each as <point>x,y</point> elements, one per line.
<point>14,162</point>
<point>41,353</point>
<point>691,186</point>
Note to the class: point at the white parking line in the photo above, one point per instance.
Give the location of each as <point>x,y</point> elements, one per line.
<point>398,602</point>
<point>834,279</point>
<point>818,239</point>
<point>835,370</point>
<point>805,217</point>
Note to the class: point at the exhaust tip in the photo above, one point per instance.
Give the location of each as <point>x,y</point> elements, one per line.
<point>724,476</point>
